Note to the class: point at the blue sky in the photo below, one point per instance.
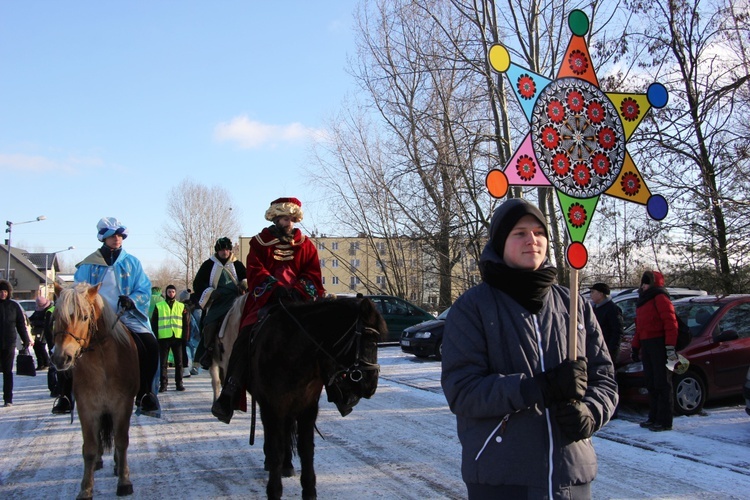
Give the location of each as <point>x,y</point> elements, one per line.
<point>105,106</point>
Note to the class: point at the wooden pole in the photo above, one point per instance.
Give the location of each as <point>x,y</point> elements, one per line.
<point>573,326</point>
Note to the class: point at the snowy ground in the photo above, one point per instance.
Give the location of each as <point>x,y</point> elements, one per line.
<point>400,444</point>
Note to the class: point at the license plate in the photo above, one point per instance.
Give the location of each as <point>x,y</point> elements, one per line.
<point>405,342</point>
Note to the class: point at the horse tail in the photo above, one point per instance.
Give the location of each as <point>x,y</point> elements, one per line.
<point>106,431</point>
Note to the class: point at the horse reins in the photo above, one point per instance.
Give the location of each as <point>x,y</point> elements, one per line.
<point>355,370</point>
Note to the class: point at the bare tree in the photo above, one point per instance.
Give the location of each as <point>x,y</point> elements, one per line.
<point>198,216</point>
<point>405,161</point>
<point>700,50</point>
<point>168,272</point>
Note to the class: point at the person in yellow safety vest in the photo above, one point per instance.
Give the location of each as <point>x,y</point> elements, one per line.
<point>171,323</point>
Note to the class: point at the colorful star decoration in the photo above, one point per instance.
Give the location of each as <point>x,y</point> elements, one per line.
<point>577,138</point>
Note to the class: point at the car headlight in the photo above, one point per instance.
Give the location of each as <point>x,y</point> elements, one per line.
<point>631,368</point>
<point>422,335</point>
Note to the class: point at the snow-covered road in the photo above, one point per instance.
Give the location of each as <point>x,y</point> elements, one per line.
<point>400,444</point>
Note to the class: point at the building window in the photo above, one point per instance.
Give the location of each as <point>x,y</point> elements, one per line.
<point>353,247</point>
<point>354,263</point>
<point>322,263</point>
<point>323,279</point>
<point>335,245</point>
<point>353,282</point>
<point>334,263</point>
<point>379,264</point>
<point>321,245</point>
<point>380,280</point>
<point>335,280</point>
<point>380,246</point>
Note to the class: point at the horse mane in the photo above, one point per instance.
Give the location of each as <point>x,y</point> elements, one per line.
<point>73,302</point>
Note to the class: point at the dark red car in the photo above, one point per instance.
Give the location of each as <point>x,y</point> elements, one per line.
<point>719,354</point>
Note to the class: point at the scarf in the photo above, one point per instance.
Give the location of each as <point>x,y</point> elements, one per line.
<point>649,294</point>
<point>528,288</point>
<point>110,256</point>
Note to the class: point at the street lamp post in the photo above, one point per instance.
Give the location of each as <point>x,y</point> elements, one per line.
<point>46,267</point>
<point>9,231</point>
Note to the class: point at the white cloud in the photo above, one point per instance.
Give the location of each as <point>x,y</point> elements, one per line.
<point>28,163</point>
<point>251,134</point>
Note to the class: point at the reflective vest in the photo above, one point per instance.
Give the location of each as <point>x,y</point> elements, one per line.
<point>170,320</point>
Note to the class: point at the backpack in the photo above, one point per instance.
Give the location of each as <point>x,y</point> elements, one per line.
<point>683,335</point>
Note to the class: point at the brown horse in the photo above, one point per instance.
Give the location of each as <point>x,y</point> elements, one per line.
<point>297,350</point>
<point>100,351</point>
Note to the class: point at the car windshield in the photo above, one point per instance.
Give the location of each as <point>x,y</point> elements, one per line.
<point>443,314</point>
<point>695,315</point>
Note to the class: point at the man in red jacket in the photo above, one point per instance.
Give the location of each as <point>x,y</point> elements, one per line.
<point>653,344</point>
<point>282,265</point>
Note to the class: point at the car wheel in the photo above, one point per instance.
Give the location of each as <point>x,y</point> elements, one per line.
<point>439,351</point>
<point>689,393</point>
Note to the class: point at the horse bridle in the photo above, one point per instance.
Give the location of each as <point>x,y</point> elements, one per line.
<point>354,371</point>
<point>80,341</point>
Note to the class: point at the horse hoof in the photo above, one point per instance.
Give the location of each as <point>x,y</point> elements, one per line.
<point>99,464</point>
<point>124,490</point>
<point>287,471</point>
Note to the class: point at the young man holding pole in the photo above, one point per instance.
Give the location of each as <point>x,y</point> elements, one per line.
<point>524,411</point>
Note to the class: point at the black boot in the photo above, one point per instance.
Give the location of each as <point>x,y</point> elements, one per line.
<point>223,407</point>
<point>207,358</point>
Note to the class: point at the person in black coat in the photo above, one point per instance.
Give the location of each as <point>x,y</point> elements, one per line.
<point>609,316</point>
<point>12,323</point>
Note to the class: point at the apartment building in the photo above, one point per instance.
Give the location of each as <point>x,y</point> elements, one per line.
<point>351,265</point>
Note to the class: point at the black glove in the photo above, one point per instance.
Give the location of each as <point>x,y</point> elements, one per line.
<point>635,354</point>
<point>575,420</point>
<point>567,381</point>
<point>280,294</point>
<point>125,303</point>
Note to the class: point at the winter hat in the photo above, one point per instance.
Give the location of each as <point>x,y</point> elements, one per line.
<point>648,278</point>
<point>184,296</point>
<point>601,287</point>
<point>5,285</point>
<point>109,226</point>
<point>223,244</point>
<point>42,303</point>
<point>172,287</point>
<point>281,207</point>
<point>505,218</point>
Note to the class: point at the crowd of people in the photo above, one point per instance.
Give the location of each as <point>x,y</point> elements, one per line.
<point>525,410</point>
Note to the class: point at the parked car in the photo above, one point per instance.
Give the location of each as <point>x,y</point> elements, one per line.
<point>398,314</point>
<point>626,300</point>
<point>28,306</point>
<point>425,339</point>
<point>719,354</point>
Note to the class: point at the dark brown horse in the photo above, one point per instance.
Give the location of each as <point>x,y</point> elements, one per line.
<point>297,350</point>
<point>100,351</point>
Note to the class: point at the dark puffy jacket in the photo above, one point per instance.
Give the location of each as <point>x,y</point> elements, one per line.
<point>491,349</point>
<point>12,323</point>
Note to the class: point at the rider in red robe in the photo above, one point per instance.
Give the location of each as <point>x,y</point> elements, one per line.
<point>282,265</point>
